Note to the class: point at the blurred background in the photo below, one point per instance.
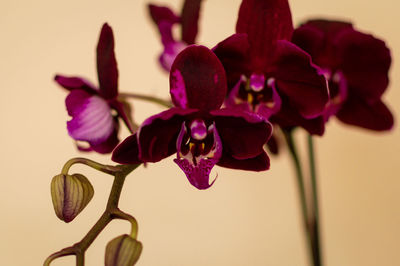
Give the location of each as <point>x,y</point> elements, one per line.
<point>245,218</point>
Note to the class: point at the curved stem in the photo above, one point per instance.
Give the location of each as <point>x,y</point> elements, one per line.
<point>62,253</point>
<point>149,98</point>
<point>112,205</point>
<point>314,223</point>
<point>108,169</point>
<point>78,249</point>
<point>125,216</point>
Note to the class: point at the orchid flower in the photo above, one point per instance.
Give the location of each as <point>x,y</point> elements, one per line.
<point>356,65</point>
<point>269,75</point>
<point>165,19</point>
<point>91,107</point>
<point>196,129</point>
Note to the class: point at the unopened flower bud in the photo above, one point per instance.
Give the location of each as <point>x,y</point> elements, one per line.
<point>123,251</point>
<point>70,195</point>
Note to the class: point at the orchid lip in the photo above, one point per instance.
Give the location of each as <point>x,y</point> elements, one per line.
<point>197,153</point>
<point>255,94</point>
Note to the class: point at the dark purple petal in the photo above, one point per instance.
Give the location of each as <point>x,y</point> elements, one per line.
<point>272,144</point>
<point>300,80</point>
<point>243,134</point>
<point>106,64</point>
<point>124,110</point>
<point>265,22</point>
<point>319,38</point>
<point>374,116</point>
<point>289,117</point>
<point>257,163</point>
<point>234,55</point>
<point>91,117</point>
<point>312,40</point>
<point>73,83</point>
<point>162,14</point>
<point>197,79</point>
<point>365,63</point>
<point>158,134</point>
<point>189,19</point>
<point>127,152</point>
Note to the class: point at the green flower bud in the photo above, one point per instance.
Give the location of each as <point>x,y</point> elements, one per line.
<point>123,251</point>
<point>70,195</point>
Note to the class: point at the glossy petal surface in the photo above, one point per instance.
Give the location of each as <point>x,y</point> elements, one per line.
<point>265,22</point>
<point>258,163</point>
<point>234,55</point>
<point>127,152</point>
<point>289,117</point>
<point>301,80</point>
<point>157,135</point>
<point>243,134</point>
<point>197,79</point>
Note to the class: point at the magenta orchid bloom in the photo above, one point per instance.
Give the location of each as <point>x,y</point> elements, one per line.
<point>356,65</point>
<point>196,129</point>
<point>165,19</point>
<point>269,75</point>
<point>91,107</point>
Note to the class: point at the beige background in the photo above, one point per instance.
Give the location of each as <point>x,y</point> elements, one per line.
<point>245,218</point>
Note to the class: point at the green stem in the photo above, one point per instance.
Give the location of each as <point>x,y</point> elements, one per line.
<point>301,190</point>
<point>80,258</point>
<point>108,169</point>
<point>149,98</point>
<point>299,176</point>
<point>79,248</point>
<point>62,253</point>
<point>112,206</point>
<point>315,221</point>
<point>125,216</point>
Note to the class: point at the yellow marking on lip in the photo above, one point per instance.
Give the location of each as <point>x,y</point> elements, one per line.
<point>250,98</point>
<point>270,104</point>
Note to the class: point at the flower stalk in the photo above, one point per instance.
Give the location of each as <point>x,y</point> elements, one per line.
<point>148,98</point>
<point>314,215</point>
<point>108,169</point>
<point>309,216</point>
<point>111,212</point>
